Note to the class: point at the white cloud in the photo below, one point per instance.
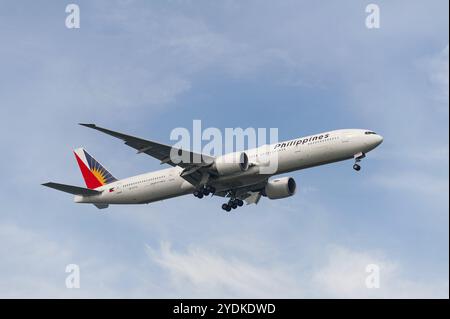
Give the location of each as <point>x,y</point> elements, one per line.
<point>199,272</point>
<point>344,276</point>
<point>416,183</point>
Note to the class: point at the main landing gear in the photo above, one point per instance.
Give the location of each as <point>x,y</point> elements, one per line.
<point>232,204</point>
<point>358,157</point>
<point>204,191</point>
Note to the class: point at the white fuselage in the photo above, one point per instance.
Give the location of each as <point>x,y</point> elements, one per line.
<point>291,155</point>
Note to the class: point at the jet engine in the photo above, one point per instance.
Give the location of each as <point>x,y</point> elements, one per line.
<point>231,163</point>
<point>280,188</point>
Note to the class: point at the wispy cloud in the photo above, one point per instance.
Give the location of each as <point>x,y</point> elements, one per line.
<point>200,272</point>
<point>203,273</point>
<point>345,274</point>
<point>428,186</point>
<point>439,75</point>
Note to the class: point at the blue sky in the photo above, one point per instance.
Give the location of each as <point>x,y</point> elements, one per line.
<point>299,66</point>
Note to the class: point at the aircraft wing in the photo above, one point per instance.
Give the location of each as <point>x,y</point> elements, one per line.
<point>192,169</point>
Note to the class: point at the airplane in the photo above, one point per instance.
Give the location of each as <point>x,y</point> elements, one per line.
<point>237,180</point>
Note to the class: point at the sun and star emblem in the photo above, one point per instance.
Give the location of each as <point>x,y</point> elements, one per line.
<point>99,174</point>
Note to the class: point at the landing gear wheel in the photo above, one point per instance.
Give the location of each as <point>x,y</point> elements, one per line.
<point>200,195</point>
<point>357,167</point>
<point>196,193</point>
<point>234,205</point>
<point>239,202</point>
<point>207,190</point>
<point>226,207</point>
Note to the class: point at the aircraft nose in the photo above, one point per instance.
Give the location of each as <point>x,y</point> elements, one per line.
<point>379,139</point>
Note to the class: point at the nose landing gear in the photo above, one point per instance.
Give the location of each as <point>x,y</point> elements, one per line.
<point>358,157</point>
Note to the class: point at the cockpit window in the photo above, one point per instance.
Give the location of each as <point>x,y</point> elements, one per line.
<point>369,133</point>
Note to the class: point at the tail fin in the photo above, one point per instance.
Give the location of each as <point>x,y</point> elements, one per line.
<point>94,174</point>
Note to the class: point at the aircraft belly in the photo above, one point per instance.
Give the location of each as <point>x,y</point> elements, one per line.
<point>173,187</point>
<point>238,180</point>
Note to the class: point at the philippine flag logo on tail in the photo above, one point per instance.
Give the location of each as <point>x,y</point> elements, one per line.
<point>94,174</point>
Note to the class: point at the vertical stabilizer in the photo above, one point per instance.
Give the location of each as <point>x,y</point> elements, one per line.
<point>94,174</point>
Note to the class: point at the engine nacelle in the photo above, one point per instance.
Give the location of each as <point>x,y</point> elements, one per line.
<point>231,163</point>
<point>280,188</point>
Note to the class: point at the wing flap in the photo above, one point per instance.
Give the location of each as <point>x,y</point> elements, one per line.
<point>253,198</point>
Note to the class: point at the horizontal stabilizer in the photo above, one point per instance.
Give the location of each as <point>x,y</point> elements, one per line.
<point>75,190</point>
